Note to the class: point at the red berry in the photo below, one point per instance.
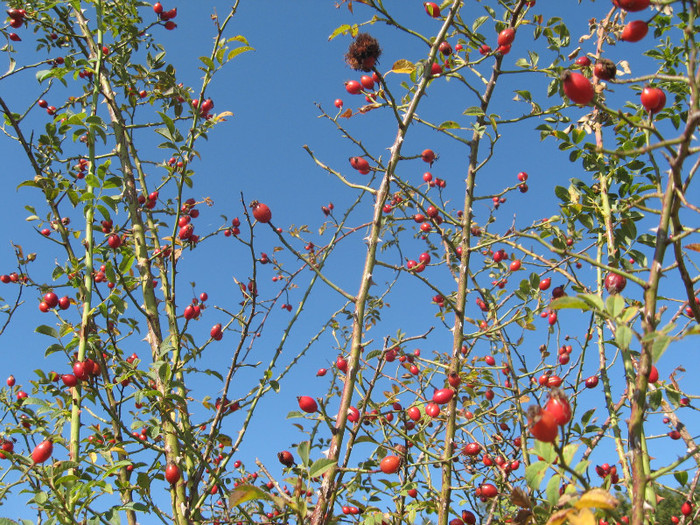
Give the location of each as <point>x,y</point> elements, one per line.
<point>69,380</point>
<point>51,299</point>
<point>285,457</point>
<point>360,164</point>
<point>216,332</point>
<point>367,82</point>
<point>261,212</point>
<point>653,374</point>
<point>114,241</point>
<point>543,425</point>
<point>615,283</point>
<point>592,382</point>
<point>341,364</point>
<point>506,37</point>
<point>445,48</point>
<point>413,413</point>
<point>634,31</point>
<point>428,156</point>
<point>338,103</point>
<point>632,5</point>
<point>42,451</point>
<point>686,508</point>
<point>11,381</point>
<point>432,9</point>
<point>545,283</point>
<point>157,8</point>
<point>577,87</point>
<point>432,409</point>
<point>471,449</point>
<point>605,69</point>
<point>443,396</point>
<point>7,446</point>
<point>488,490</point>
<point>172,473</point>
<point>468,517</point>
<point>583,61</point>
<point>653,99</point>
<point>390,464</point>
<point>558,406</point>
<point>353,87</point>
<point>307,404</point>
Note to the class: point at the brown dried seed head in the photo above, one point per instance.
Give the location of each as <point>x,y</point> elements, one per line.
<point>363,53</point>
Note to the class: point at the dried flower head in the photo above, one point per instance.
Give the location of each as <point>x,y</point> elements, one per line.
<point>363,53</point>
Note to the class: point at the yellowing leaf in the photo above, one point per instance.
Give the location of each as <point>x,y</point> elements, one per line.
<point>582,517</point>
<point>559,517</point>
<point>403,66</point>
<point>246,493</point>
<point>597,498</point>
<point>695,247</point>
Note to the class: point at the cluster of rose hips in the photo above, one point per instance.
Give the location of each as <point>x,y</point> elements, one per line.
<point>166,16</point>
<point>51,110</point>
<point>150,201</point>
<point>579,88</point>
<point>364,85</point>
<point>395,200</point>
<point>234,229</point>
<point>50,300</point>
<point>606,470</point>
<point>433,182</point>
<point>229,406</point>
<point>14,277</point>
<point>189,212</point>
<point>433,216</point>
<point>82,371</point>
<point>207,106</point>
<point>17,17</point>
<point>194,309</point>
<point>418,266</point>
<point>85,73</point>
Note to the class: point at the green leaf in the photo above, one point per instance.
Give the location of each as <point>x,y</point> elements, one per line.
<point>569,302</point>
<point>545,451</point>
<point>659,346</point>
<point>303,451</point>
<point>553,489</point>
<point>320,467</point>
<point>569,452</point>
<point>449,124</point>
<point>208,62</point>
<point>235,52</point>
<point>593,300</point>
<point>473,111</point>
<point>614,305</point>
<point>46,330</point>
<point>340,30</point>
<point>680,475</point>
<point>623,336</point>
<point>534,474</point>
